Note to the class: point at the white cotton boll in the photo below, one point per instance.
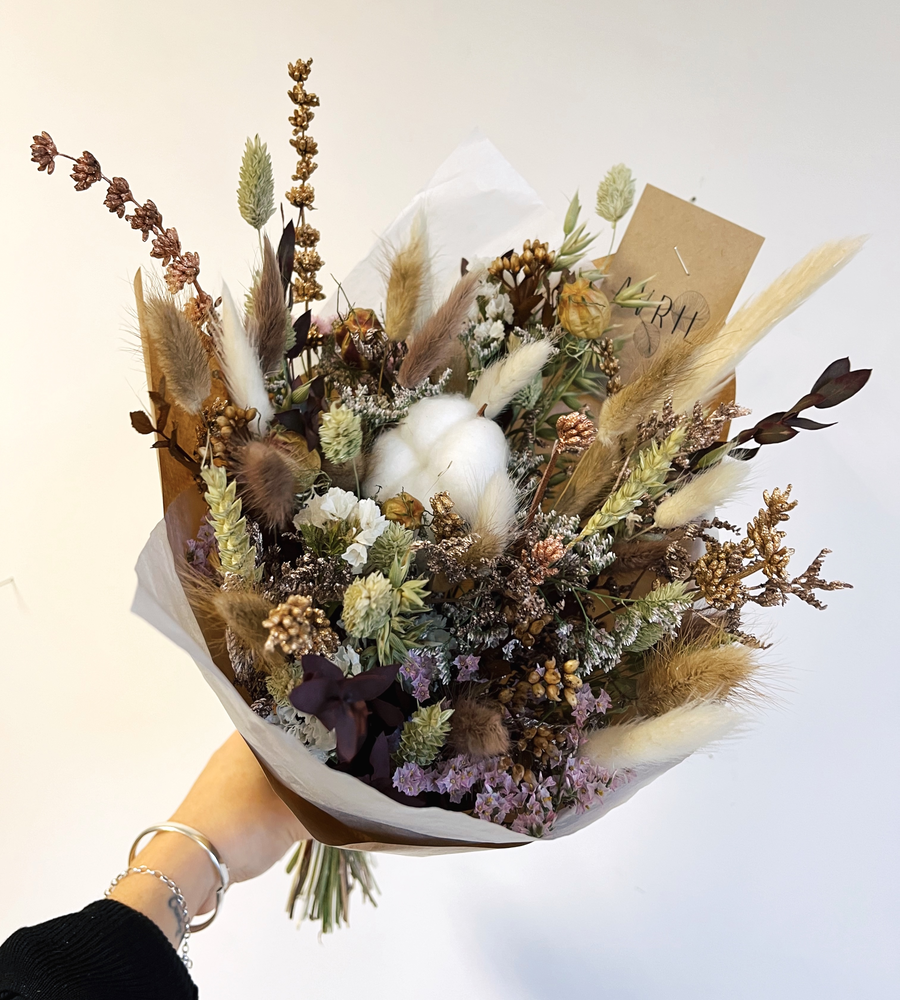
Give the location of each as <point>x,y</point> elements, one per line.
<point>391,463</point>
<point>430,419</point>
<point>666,739</point>
<point>467,456</point>
<point>702,494</point>
<point>503,379</point>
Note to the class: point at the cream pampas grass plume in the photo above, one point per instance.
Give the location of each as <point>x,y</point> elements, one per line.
<point>240,364</point>
<point>666,739</point>
<point>702,495</point>
<point>692,369</point>
<point>676,675</point>
<point>268,326</point>
<point>431,349</point>
<point>179,352</point>
<point>503,379</point>
<point>408,281</point>
<point>715,356</point>
<point>495,518</point>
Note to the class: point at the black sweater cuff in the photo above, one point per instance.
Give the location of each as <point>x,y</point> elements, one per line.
<point>108,951</point>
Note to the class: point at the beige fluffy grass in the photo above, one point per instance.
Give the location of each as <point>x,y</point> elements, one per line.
<point>503,379</point>
<point>431,349</point>
<point>681,675</point>
<point>495,518</point>
<point>666,739</point>
<point>181,356</point>
<point>702,494</point>
<point>408,283</point>
<point>241,610</point>
<point>267,327</point>
<point>715,356</point>
<point>692,369</point>
<point>477,729</point>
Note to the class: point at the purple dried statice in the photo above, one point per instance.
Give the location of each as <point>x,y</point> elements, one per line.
<point>418,671</point>
<point>467,667</point>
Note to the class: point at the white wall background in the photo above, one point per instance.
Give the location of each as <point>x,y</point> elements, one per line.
<point>767,870</point>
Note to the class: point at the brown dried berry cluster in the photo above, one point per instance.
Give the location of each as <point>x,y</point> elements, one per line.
<point>535,256</point>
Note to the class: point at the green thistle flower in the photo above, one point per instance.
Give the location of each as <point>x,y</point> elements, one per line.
<point>236,554</point>
<point>367,605</point>
<point>340,434</point>
<point>424,735</point>
<point>256,190</point>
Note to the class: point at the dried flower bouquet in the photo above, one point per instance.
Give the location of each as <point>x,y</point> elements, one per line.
<point>460,559</point>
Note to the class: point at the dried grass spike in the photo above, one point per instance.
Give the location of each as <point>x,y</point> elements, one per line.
<point>702,494</point>
<point>664,740</point>
<point>408,280</point>
<point>432,347</point>
<point>267,475</point>
<point>477,729</point>
<point>240,364</point>
<point>503,379</point>
<point>267,327</point>
<point>681,674</point>
<point>182,357</point>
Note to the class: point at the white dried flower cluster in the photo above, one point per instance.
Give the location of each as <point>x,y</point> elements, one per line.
<point>496,310</point>
<point>363,519</point>
<point>340,434</point>
<point>307,729</point>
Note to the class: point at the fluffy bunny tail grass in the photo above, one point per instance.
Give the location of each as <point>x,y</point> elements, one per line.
<point>702,494</point>
<point>665,739</point>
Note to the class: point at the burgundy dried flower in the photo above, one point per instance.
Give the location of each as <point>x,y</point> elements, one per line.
<point>146,218</point>
<point>44,152</point>
<point>86,171</point>
<point>339,702</point>
<point>117,194</point>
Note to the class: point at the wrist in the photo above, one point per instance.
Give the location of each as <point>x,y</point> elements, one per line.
<point>188,866</point>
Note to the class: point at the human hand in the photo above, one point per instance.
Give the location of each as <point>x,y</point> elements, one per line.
<point>233,805</point>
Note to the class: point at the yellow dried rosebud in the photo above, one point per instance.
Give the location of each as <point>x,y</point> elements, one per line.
<point>404,509</point>
<point>583,310</point>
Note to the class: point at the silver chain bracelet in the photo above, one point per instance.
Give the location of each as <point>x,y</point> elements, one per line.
<point>179,898</point>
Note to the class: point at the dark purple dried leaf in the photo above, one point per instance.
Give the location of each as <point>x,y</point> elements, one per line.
<point>774,434</point>
<point>370,684</point>
<point>805,402</point>
<point>301,331</point>
<point>834,370</point>
<point>843,387</point>
<point>285,254</point>
<point>805,424</point>
<point>141,422</point>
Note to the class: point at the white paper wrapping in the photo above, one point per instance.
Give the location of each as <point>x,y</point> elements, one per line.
<point>476,205</point>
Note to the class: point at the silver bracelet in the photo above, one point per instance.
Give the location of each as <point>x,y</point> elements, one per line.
<point>179,898</point>
<point>202,842</point>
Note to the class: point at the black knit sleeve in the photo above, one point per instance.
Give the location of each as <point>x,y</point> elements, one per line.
<point>106,952</point>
